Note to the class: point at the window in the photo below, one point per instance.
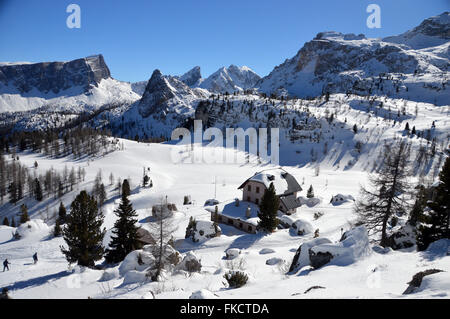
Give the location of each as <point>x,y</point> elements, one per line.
<point>240,225</point>
<point>248,198</point>
<point>257,201</point>
<point>249,188</point>
<point>257,190</point>
<point>250,228</point>
<point>230,221</point>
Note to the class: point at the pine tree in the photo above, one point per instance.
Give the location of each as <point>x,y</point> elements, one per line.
<point>82,233</point>
<point>38,190</point>
<point>13,222</point>
<point>24,214</point>
<point>310,193</point>
<point>377,206</point>
<point>355,129</point>
<point>62,214</point>
<point>437,218</point>
<point>57,230</point>
<point>268,210</point>
<point>126,188</point>
<point>125,236</point>
<point>5,221</point>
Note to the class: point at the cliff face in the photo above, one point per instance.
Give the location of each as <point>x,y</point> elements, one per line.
<point>55,76</point>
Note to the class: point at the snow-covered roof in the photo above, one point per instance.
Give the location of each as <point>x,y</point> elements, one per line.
<point>283,182</point>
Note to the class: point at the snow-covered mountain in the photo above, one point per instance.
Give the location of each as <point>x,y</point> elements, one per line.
<point>432,32</point>
<point>193,77</point>
<point>230,79</point>
<point>79,85</point>
<point>162,93</point>
<point>341,63</point>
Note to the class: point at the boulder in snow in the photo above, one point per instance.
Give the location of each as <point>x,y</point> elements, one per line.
<point>266,251</point>
<point>301,258</point>
<point>285,221</point>
<point>402,238</point>
<point>340,199</point>
<point>232,253</point>
<point>202,294</point>
<point>190,263</point>
<point>302,227</point>
<point>273,261</point>
<point>353,245</point>
<point>202,230</point>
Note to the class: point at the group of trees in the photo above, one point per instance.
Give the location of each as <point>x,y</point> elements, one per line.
<point>18,181</point>
<point>77,141</point>
<point>380,205</point>
<point>84,236</point>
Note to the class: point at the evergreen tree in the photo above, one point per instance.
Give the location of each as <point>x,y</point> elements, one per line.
<point>101,195</point>
<point>310,193</point>
<point>57,230</point>
<point>24,214</point>
<point>377,206</point>
<point>407,127</point>
<point>437,216</point>
<point>13,222</point>
<point>268,210</point>
<point>355,129</point>
<point>5,221</point>
<point>82,232</point>
<point>38,190</point>
<point>126,188</point>
<point>125,236</point>
<point>62,214</point>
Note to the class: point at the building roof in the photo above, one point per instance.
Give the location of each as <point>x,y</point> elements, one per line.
<point>290,201</point>
<point>284,183</point>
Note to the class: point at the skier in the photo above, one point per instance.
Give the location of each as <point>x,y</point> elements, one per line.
<point>5,265</point>
<point>35,258</point>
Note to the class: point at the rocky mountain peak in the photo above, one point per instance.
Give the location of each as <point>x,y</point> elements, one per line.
<point>54,76</point>
<point>192,77</point>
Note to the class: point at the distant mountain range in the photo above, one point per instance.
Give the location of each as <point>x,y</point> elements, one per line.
<point>411,66</point>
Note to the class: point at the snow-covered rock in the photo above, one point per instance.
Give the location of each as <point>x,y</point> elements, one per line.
<point>232,253</point>
<point>403,237</point>
<point>32,227</point>
<point>273,261</point>
<point>353,246</point>
<point>302,227</point>
<point>301,258</point>
<point>266,251</point>
<point>340,199</point>
<point>134,276</point>
<point>203,230</point>
<point>138,260</point>
<point>202,294</point>
<point>190,263</point>
<point>109,274</point>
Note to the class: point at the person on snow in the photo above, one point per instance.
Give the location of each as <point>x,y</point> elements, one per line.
<point>35,258</point>
<point>5,265</point>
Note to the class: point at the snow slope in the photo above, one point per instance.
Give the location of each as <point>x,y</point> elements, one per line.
<point>374,276</point>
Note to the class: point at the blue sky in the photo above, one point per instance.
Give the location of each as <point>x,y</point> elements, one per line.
<point>136,37</point>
